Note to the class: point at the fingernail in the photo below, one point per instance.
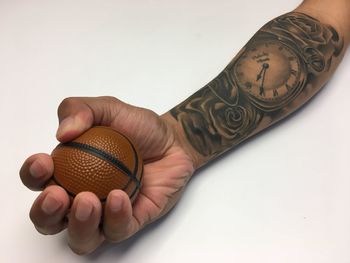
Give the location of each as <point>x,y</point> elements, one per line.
<point>66,125</point>
<point>83,210</point>
<point>36,170</point>
<point>115,204</point>
<point>50,205</point>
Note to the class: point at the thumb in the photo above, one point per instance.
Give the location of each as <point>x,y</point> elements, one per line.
<point>77,114</point>
<point>71,127</point>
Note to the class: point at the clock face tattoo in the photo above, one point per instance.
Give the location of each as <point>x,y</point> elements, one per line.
<point>270,73</point>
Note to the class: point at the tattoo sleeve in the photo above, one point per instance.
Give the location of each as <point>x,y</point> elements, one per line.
<point>279,69</point>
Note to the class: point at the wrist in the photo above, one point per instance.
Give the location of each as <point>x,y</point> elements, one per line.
<point>181,140</point>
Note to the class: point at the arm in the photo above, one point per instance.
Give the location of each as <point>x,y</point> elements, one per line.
<point>280,68</point>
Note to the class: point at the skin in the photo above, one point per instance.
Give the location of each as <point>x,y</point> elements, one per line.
<point>172,144</point>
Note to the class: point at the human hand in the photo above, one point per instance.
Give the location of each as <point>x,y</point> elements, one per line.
<point>167,168</point>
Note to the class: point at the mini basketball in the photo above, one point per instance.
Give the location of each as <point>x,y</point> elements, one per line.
<point>100,160</point>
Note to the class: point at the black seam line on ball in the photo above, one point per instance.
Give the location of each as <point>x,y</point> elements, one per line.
<point>103,155</point>
<point>135,155</point>
<point>135,169</point>
<point>137,187</point>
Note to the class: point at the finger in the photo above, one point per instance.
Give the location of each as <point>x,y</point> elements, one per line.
<point>78,114</point>
<point>36,171</point>
<point>49,210</point>
<point>119,223</point>
<point>84,234</point>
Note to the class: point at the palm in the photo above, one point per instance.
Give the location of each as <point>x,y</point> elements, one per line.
<point>163,183</point>
<point>167,167</point>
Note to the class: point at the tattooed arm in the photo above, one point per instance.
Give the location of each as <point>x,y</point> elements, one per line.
<point>280,68</point>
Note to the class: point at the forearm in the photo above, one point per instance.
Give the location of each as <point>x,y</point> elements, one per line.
<point>280,68</point>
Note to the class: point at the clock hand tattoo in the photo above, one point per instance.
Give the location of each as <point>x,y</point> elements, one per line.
<point>265,66</point>
<point>278,70</point>
<point>261,74</point>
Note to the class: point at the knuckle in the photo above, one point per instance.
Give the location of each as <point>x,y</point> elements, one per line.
<point>111,100</point>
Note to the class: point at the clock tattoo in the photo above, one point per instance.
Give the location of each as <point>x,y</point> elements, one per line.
<point>270,73</point>
<point>285,61</point>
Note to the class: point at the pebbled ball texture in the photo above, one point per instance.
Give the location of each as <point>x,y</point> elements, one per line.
<point>99,160</point>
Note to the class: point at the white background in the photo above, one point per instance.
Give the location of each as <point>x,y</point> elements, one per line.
<point>284,196</point>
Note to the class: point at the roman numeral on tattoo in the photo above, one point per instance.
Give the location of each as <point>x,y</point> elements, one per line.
<point>248,85</point>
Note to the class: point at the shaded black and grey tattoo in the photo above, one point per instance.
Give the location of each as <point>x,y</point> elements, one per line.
<point>282,60</point>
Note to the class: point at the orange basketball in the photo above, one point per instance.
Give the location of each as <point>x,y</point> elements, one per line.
<point>99,160</point>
